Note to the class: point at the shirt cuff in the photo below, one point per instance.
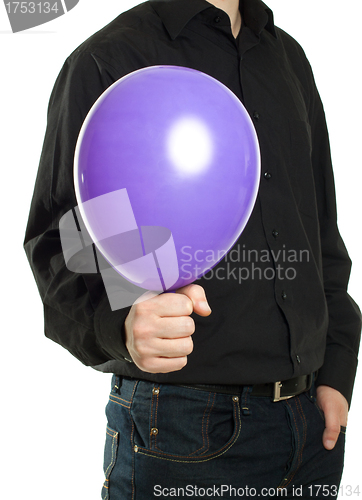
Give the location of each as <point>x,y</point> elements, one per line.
<point>338,371</point>
<point>109,330</point>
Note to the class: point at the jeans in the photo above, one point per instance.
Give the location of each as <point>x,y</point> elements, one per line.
<point>172,441</point>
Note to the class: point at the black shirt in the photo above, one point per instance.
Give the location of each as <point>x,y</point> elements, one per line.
<point>279,300</point>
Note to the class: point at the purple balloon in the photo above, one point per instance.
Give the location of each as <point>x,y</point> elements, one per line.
<point>166,174</point>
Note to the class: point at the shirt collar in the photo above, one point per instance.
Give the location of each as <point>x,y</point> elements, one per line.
<point>175,14</point>
<point>257,16</point>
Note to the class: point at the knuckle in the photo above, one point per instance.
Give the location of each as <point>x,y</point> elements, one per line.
<point>137,316</point>
<point>179,301</point>
<point>168,300</point>
<point>150,364</point>
<point>143,330</point>
<point>137,308</point>
<point>146,307</point>
<point>140,310</point>
<point>197,291</point>
<point>143,347</point>
<point>189,346</point>
<point>141,350</point>
<point>334,428</point>
<point>138,330</point>
<point>187,304</point>
<point>189,325</point>
<point>186,346</point>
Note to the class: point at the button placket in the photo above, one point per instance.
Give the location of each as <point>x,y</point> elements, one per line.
<point>256,116</point>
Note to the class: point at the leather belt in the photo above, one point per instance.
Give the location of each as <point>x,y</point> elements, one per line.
<point>277,391</point>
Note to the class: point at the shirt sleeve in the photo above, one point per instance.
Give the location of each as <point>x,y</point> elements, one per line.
<point>77,313</point>
<point>344,330</point>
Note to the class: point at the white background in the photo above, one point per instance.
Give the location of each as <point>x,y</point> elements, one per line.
<point>52,407</point>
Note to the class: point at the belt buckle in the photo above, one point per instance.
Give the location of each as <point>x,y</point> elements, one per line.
<point>277,397</point>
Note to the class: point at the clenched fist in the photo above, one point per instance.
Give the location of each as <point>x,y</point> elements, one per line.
<point>158,330</point>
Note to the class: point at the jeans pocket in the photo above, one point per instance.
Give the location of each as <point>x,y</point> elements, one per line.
<point>320,411</point>
<point>312,398</point>
<point>185,424</point>
<point>110,456</point>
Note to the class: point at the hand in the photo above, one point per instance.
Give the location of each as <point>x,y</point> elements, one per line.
<point>335,408</point>
<point>158,331</point>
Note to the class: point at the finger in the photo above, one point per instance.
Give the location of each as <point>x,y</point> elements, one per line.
<point>174,327</point>
<point>332,430</point>
<point>167,304</point>
<point>162,347</point>
<point>162,365</point>
<point>173,348</point>
<point>197,295</point>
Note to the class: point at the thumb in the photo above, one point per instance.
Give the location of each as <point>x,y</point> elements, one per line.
<point>197,295</point>
<point>331,432</point>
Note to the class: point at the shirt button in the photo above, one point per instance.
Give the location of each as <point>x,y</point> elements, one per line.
<point>267,175</point>
<point>284,295</point>
<point>298,358</point>
<point>275,233</point>
<point>256,115</point>
<point>217,19</point>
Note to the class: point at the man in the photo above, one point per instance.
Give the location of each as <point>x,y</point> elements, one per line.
<point>254,394</point>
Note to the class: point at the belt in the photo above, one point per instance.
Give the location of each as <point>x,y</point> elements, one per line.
<point>277,391</point>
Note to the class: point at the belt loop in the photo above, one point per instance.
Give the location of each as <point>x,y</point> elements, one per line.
<point>312,390</point>
<point>245,399</point>
<point>119,381</point>
<point>116,383</point>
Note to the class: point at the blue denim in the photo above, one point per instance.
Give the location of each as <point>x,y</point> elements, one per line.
<point>171,441</point>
